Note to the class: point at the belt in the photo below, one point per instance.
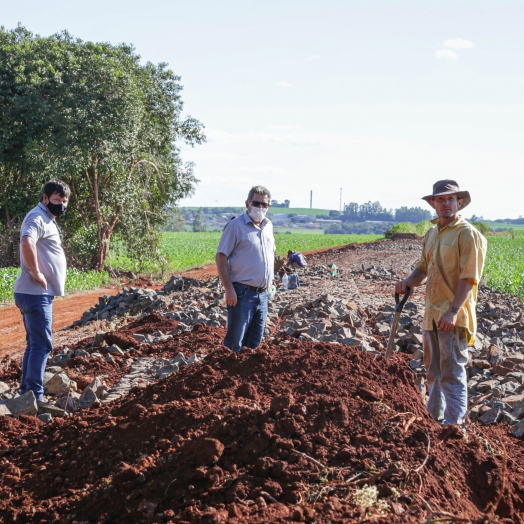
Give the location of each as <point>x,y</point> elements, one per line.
<point>252,288</point>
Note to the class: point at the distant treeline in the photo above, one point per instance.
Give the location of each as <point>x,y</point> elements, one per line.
<point>355,228</point>
<point>519,220</point>
<point>354,212</point>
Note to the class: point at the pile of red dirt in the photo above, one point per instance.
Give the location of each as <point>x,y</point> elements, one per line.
<point>285,433</point>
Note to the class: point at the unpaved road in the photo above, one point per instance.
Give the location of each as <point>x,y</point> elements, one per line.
<point>67,310</point>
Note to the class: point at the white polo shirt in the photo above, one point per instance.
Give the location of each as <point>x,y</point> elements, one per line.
<point>40,226</point>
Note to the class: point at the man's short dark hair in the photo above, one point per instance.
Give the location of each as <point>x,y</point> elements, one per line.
<point>55,186</point>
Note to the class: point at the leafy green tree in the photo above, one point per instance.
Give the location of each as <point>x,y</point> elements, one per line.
<point>23,118</point>
<point>176,223</point>
<point>103,122</point>
<point>481,226</point>
<point>412,214</point>
<point>198,222</point>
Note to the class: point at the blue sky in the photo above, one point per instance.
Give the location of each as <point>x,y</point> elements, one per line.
<point>378,98</point>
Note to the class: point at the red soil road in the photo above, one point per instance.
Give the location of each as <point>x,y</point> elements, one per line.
<point>65,311</point>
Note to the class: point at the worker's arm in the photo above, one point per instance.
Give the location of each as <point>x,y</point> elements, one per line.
<point>449,318</point>
<point>416,278</point>
<point>223,273</point>
<point>31,260</point>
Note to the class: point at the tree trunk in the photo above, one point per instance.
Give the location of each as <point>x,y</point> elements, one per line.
<point>104,238</point>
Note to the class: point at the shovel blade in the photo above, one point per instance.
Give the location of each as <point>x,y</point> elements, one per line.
<point>392,334</point>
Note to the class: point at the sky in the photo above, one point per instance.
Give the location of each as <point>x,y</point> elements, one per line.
<point>378,98</point>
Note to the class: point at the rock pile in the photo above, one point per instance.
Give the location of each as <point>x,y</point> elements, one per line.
<point>306,428</point>
<point>341,317</point>
<point>63,396</point>
<point>139,301</point>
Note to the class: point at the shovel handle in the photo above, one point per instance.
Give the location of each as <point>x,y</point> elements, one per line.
<point>400,303</point>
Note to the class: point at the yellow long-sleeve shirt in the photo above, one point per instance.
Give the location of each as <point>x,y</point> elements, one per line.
<point>450,254</point>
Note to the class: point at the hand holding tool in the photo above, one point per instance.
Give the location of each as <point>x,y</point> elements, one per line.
<point>394,325</point>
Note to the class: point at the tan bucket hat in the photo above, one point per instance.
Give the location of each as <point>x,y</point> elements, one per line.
<point>448,187</point>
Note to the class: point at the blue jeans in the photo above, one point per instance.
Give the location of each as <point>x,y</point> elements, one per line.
<point>445,357</point>
<point>246,320</point>
<point>37,312</point>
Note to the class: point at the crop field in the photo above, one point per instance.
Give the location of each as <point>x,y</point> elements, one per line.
<point>186,250</point>
<point>76,280</point>
<point>504,269</point>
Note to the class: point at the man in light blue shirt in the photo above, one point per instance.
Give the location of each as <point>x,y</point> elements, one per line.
<point>245,261</point>
<point>42,277</point>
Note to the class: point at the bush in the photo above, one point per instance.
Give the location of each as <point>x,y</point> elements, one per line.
<point>481,226</point>
<point>407,227</point>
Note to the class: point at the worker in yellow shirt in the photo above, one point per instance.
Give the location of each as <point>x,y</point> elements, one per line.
<point>452,261</point>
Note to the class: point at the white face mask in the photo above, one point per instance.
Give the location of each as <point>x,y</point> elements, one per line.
<point>257,214</point>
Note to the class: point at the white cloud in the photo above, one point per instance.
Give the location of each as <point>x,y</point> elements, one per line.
<point>459,43</point>
<point>283,84</point>
<point>314,57</point>
<point>284,128</point>
<point>446,53</point>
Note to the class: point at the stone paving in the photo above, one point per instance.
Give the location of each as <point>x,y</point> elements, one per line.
<point>355,307</point>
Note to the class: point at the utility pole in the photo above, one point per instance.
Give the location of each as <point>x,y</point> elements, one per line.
<point>311,199</point>
<point>340,201</point>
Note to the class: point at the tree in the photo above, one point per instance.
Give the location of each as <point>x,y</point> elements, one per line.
<point>275,203</point>
<point>368,211</point>
<point>412,214</point>
<point>481,226</point>
<point>107,125</point>
<point>22,121</point>
<point>351,212</point>
<point>198,222</point>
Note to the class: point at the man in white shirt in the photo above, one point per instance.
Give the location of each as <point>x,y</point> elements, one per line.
<point>42,277</point>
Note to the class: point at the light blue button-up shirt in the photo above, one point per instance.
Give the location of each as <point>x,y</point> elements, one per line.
<point>250,251</point>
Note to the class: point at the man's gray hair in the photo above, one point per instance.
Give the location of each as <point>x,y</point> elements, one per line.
<point>259,190</point>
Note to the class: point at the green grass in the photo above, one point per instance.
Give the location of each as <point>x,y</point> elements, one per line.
<point>188,250</point>
<point>408,227</point>
<point>75,281</point>
<point>504,270</point>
